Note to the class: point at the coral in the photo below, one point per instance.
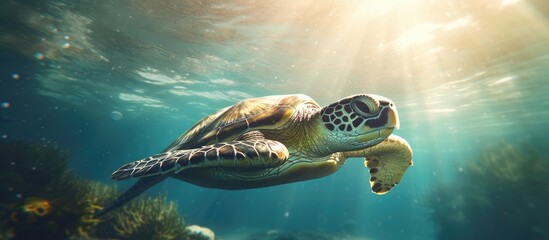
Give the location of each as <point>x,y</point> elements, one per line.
<point>500,195</point>
<point>42,199</point>
<point>31,211</point>
<point>32,218</point>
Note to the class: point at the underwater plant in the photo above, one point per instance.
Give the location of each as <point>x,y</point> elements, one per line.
<point>33,176</point>
<point>27,169</point>
<point>149,218</point>
<point>501,195</point>
<point>42,199</point>
<point>146,218</point>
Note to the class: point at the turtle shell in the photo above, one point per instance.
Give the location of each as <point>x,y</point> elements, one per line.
<point>228,124</point>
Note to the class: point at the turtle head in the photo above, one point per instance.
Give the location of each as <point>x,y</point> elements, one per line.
<point>359,121</point>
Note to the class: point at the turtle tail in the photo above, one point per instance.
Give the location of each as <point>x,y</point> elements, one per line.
<point>139,187</point>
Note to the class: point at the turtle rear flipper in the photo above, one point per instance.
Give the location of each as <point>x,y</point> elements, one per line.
<point>249,154</point>
<point>387,162</point>
<point>139,187</point>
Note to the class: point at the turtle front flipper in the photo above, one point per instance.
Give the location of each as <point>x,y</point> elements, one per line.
<point>249,154</point>
<point>387,162</point>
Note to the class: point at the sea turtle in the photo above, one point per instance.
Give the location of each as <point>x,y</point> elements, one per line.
<point>274,140</point>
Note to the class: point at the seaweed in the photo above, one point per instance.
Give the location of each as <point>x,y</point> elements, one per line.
<point>149,218</point>
<point>500,195</point>
<point>37,171</point>
<point>42,199</point>
<point>28,169</point>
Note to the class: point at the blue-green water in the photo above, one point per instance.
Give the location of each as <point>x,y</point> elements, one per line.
<point>117,81</point>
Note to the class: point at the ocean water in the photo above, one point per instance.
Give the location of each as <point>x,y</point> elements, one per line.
<point>117,81</point>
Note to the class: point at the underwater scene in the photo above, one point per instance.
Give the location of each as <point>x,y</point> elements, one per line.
<point>354,120</point>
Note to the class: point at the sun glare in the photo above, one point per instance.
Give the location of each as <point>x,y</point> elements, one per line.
<point>425,52</point>
<point>396,46</point>
<point>508,2</point>
<point>384,7</point>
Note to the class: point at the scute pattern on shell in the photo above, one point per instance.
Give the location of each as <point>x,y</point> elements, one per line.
<point>224,125</point>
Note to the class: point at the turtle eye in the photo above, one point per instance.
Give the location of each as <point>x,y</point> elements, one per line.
<point>365,106</point>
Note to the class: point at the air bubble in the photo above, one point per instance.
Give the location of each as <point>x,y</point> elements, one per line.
<point>5,105</point>
<point>39,56</point>
<point>116,115</point>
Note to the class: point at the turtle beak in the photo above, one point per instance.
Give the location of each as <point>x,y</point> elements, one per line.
<point>385,130</point>
<point>392,121</point>
<point>393,118</point>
